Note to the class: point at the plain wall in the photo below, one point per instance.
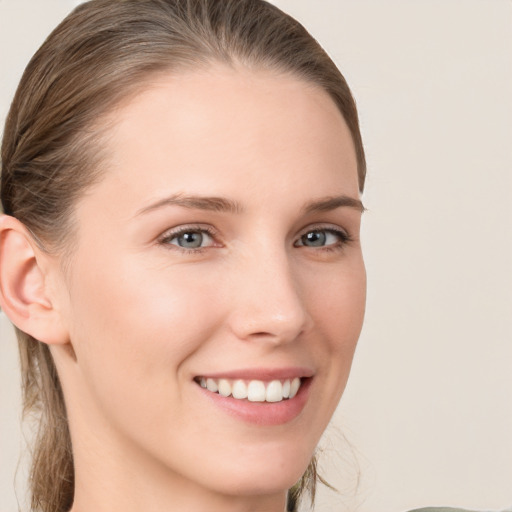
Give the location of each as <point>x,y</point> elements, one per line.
<point>427,416</point>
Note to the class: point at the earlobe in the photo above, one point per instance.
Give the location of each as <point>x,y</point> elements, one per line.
<point>24,293</point>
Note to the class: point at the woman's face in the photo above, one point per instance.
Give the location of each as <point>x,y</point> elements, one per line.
<point>221,248</point>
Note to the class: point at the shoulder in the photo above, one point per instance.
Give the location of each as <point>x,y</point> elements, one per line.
<point>441,509</point>
<point>448,509</point>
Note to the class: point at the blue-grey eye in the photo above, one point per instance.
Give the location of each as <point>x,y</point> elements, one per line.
<point>191,239</point>
<point>314,239</point>
<point>320,238</point>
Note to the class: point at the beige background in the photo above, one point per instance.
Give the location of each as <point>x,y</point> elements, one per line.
<point>428,410</point>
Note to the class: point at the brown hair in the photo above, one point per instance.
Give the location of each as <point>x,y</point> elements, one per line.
<point>106,51</point>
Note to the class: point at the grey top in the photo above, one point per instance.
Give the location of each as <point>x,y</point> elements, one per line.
<point>448,509</point>
<point>441,509</point>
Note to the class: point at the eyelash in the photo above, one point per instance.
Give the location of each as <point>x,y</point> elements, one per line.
<point>343,238</point>
<point>165,240</point>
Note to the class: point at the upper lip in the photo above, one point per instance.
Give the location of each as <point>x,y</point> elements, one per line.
<point>262,373</point>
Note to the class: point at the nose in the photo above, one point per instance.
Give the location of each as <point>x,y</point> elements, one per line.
<point>267,303</point>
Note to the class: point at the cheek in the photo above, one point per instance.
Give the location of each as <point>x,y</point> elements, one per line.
<point>336,300</point>
<point>134,327</point>
<point>337,304</point>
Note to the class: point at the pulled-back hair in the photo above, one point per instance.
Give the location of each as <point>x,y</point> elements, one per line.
<point>103,53</point>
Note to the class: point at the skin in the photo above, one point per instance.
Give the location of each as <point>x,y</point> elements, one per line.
<point>143,316</point>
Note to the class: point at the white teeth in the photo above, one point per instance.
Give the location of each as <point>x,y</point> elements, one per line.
<point>211,385</point>
<point>294,387</point>
<point>286,389</point>
<point>274,392</point>
<point>224,387</point>
<point>254,390</point>
<point>239,390</point>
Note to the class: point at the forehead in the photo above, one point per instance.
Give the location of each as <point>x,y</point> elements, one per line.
<point>229,126</point>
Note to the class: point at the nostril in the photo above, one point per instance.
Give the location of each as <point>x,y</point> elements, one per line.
<point>271,312</point>
<point>277,337</point>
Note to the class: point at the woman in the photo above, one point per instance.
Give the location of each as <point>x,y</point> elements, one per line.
<point>180,254</point>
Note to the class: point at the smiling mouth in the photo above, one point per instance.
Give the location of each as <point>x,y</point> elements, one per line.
<point>252,390</point>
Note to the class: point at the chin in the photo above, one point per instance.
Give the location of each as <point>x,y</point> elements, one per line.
<point>270,475</point>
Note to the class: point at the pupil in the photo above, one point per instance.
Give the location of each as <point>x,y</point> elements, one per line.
<point>191,240</point>
<point>315,238</point>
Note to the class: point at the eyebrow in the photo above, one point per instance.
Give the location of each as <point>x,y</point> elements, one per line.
<point>212,204</point>
<point>222,204</point>
<point>331,203</point>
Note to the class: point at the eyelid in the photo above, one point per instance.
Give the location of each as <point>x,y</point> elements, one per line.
<point>168,235</point>
<point>344,235</point>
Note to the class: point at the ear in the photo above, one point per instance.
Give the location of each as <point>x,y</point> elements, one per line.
<point>24,291</point>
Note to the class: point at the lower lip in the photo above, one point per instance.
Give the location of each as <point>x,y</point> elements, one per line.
<point>263,413</point>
